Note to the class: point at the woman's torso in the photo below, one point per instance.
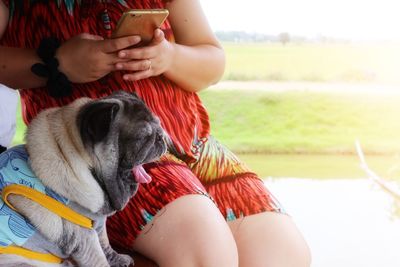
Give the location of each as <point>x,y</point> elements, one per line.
<point>181,113</point>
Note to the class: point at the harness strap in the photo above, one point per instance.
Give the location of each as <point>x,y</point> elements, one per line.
<point>48,203</point>
<point>52,205</point>
<point>30,254</point>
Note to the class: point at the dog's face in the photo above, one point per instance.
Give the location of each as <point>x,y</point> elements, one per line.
<point>120,134</point>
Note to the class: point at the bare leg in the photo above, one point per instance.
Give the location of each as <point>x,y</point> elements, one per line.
<point>189,232</point>
<point>269,239</point>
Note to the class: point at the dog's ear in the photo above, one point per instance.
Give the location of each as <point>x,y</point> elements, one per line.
<point>95,121</point>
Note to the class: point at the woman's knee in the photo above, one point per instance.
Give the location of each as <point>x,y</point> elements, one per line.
<point>190,231</point>
<point>270,239</point>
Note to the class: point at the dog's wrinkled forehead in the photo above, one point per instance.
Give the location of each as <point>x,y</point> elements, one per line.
<point>120,111</point>
<point>133,108</point>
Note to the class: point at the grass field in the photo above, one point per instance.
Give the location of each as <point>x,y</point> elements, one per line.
<point>313,62</point>
<point>303,122</point>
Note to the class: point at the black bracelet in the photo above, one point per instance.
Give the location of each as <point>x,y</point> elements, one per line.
<point>58,84</point>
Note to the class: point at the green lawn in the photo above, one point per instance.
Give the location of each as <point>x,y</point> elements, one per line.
<point>313,62</point>
<point>21,128</point>
<point>303,122</point>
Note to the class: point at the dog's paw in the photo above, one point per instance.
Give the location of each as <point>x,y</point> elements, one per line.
<point>120,260</point>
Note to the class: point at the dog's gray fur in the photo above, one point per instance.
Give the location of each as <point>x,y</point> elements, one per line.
<point>85,152</point>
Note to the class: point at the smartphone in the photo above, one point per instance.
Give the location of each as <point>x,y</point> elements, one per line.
<point>140,22</point>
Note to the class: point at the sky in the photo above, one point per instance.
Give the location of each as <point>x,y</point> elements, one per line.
<point>351,19</point>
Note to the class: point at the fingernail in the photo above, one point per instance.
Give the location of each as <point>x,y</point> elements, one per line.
<point>119,66</point>
<point>122,54</point>
<point>125,77</point>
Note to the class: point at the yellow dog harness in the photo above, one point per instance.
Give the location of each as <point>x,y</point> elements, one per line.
<point>50,204</point>
<point>13,161</point>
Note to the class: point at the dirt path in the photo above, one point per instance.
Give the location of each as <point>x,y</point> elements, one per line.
<point>365,88</point>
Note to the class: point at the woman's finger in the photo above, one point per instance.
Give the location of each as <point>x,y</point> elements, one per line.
<point>158,37</point>
<point>137,53</point>
<point>114,45</point>
<point>113,59</point>
<point>134,65</point>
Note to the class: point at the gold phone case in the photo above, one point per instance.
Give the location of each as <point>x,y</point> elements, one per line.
<point>140,22</point>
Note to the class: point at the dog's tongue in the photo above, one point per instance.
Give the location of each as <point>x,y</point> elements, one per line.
<point>141,175</point>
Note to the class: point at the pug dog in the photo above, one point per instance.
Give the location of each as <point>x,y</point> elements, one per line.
<point>90,152</point>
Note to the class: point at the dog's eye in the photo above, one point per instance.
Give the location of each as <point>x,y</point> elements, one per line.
<point>124,163</point>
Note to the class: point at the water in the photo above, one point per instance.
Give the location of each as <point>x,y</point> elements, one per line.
<point>346,222</point>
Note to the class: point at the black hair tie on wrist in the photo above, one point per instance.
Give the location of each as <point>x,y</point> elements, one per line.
<point>57,83</point>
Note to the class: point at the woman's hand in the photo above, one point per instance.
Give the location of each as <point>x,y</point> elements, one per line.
<point>86,58</point>
<point>143,62</point>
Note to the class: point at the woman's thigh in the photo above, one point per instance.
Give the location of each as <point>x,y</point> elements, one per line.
<point>189,231</point>
<point>269,239</point>
<point>264,235</point>
<point>171,179</point>
<point>173,221</point>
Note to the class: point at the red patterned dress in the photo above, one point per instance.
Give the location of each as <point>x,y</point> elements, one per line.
<point>205,167</point>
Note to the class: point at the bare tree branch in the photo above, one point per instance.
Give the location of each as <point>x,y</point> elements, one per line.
<point>381,182</point>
